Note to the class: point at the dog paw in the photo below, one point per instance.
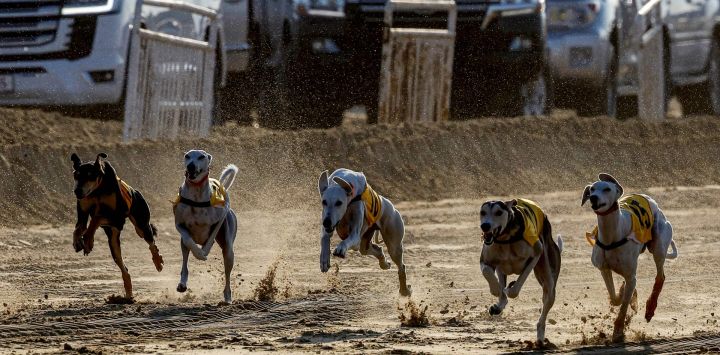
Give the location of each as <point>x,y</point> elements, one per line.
<point>495,310</point>
<point>88,244</point>
<point>78,245</point>
<point>325,263</point>
<point>181,288</point>
<point>340,251</point>
<point>618,337</point>
<point>158,261</point>
<point>384,264</point>
<point>513,290</point>
<point>406,291</point>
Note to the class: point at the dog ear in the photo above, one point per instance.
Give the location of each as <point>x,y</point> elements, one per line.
<point>586,195</point>
<point>323,182</point>
<point>99,163</point>
<point>76,161</point>
<point>209,157</point>
<point>610,178</point>
<point>344,184</point>
<point>510,204</point>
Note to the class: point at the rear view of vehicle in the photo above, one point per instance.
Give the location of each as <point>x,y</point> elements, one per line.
<point>63,52</point>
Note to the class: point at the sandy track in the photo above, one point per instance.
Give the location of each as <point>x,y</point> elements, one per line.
<point>437,175</point>
<point>357,308</point>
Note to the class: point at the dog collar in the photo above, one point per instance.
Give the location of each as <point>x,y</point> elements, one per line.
<point>611,246</point>
<point>201,182</point>
<point>192,203</point>
<point>610,210</point>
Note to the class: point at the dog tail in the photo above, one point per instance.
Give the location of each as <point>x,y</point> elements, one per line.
<point>227,177</point>
<point>674,253</point>
<point>560,242</point>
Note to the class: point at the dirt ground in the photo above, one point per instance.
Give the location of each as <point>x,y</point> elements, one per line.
<point>54,300</point>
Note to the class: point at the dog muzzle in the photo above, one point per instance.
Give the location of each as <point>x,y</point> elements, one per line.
<point>488,238</point>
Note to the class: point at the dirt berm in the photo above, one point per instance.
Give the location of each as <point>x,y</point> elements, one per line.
<point>278,169</point>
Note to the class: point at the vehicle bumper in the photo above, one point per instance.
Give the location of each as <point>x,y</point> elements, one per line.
<point>579,58</point>
<point>506,47</point>
<point>83,81</point>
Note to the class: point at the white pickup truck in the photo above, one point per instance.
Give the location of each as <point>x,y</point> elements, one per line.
<point>74,52</point>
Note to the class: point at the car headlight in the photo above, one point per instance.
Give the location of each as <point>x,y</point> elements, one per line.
<point>86,7</point>
<point>572,15</point>
<point>307,6</point>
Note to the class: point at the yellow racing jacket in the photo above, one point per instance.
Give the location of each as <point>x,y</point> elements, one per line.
<point>217,196</point>
<point>534,217</point>
<point>642,219</point>
<point>373,205</point>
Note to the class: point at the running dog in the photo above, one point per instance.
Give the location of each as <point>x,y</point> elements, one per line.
<point>353,209</point>
<point>626,227</point>
<point>517,238</point>
<point>202,214</point>
<point>108,201</point>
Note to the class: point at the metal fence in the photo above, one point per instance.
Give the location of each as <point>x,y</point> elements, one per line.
<point>416,77</point>
<point>170,79</point>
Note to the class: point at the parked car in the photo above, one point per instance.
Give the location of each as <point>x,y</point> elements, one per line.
<point>75,52</point>
<point>695,41</point>
<point>323,56</point>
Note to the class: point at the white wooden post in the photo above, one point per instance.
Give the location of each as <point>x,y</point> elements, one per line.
<point>170,79</point>
<point>417,63</point>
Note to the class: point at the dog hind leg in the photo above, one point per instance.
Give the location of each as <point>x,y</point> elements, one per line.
<point>547,277</point>
<point>225,239</point>
<point>393,235</point>
<point>114,242</point>
<point>662,237</point>
<point>367,247</point>
<point>147,231</point>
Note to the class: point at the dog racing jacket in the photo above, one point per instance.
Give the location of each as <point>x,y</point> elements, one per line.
<point>533,216</point>
<point>642,219</point>
<point>373,210</point>
<point>217,196</point>
<point>126,193</point>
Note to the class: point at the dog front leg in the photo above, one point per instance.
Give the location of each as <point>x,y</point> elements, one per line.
<point>189,243</point>
<point>80,228</point>
<point>489,273</point>
<point>325,251</point>
<point>88,236</point>
<point>502,299</point>
<point>627,296</point>
<point>615,299</point>
<point>184,272</point>
<point>357,216</point>
<point>514,290</point>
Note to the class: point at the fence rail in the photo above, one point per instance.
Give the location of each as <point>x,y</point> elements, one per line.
<point>170,80</point>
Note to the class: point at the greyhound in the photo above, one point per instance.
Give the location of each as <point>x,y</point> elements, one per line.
<point>356,212</point>
<point>626,227</point>
<point>202,214</point>
<point>108,202</point>
<point>517,238</point>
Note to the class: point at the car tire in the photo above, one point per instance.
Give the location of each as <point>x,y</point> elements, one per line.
<point>704,98</point>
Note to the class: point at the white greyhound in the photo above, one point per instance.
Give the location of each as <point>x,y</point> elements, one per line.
<point>202,214</point>
<point>626,227</point>
<point>356,212</point>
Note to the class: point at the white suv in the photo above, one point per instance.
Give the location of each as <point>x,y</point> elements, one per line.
<point>74,52</point>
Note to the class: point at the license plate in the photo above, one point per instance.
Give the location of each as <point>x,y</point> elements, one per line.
<point>7,83</point>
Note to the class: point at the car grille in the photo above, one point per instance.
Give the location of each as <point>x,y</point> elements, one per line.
<point>27,23</point>
<point>373,11</point>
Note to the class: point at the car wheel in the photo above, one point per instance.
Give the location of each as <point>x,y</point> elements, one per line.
<point>535,94</point>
